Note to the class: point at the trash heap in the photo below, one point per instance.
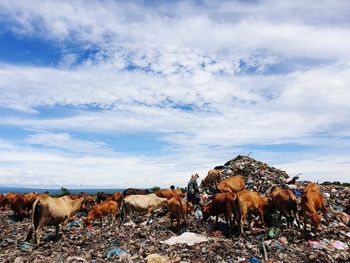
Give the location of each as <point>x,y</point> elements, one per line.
<point>257,175</point>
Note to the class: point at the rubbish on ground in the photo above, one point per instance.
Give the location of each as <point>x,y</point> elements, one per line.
<point>188,238</point>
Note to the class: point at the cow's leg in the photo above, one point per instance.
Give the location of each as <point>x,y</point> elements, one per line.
<point>113,214</point>
<point>228,222</point>
<point>261,211</point>
<point>324,212</point>
<point>64,224</point>
<point>57,230</point>
<point>29,235</point>
<point>305,220</point>
<point>37,233</point>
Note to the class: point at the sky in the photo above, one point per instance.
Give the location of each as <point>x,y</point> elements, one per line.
<point>115,94</point>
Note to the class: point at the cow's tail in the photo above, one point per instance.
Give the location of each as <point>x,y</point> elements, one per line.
<point>36,213</point>
<point>237,209</point>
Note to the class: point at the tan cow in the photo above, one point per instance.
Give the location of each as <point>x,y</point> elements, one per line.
<point>212,179</point>
<point>178,209</point>
<point>232,184</point>
<point>284,201</point>
<point>312,201</point>
<point>52,211</point>
<point>142,204</point>
<point>251,203</point>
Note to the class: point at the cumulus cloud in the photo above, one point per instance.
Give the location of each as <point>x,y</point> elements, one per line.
<point>202,75</point>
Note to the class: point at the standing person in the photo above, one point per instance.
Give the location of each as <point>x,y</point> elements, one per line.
<point>193,190</point>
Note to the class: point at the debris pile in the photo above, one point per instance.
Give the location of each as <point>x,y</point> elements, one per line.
<point>257,175</point>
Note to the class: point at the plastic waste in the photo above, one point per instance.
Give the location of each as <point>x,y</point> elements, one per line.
<point>73,223</point>
<point>198,213</point>
<point>188,238</point>
<point>115,252</point>
<point>340,245</point>
<point>25,246</point>
<point>156,258</point>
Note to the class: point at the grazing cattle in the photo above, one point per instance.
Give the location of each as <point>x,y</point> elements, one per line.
<point>284,201</point>
<point>178,209</point>
<point>52,211</point>
<point>134,191</point>
<point>232,184</point>
<point>312,201</point>
<point>102,196</point>
<point>168,194</point>
<point>117,197</point>
<point>99,211</point>
<point>223,203</point>
<point>3,202</point>
<point>142,204</point>
<point>251,203</point>
<point>18,206</point>
<point>212,179</point>
<point>10,198</point>
<point>179,192</point>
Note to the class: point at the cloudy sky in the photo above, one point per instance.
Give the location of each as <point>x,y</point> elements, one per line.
<point>144,93</point>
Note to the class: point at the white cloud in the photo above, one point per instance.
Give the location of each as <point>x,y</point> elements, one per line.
<point>152,62</point>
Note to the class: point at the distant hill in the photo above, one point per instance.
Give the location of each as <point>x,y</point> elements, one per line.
<point>18,189</point>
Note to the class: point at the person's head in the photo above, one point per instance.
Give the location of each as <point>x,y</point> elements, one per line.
<point>172,187</point>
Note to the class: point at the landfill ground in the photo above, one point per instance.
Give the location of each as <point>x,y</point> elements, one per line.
<point>133,242</point>
<point>136,241</point>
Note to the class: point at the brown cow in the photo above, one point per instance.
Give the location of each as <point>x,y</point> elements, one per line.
<point>3,202</point>
<point>232,184</point>
<point>223,203</point>
<point>99,211</point>
<point>251,203</point>
<point>117,197</point>
<point>212,179</point>
<point>178,209</point>
<point>168,194</point>
<point>312,201</point>
<point>18,206</point>
<point>179,192</point>
<point>284,201</point>
<point>52,211</point>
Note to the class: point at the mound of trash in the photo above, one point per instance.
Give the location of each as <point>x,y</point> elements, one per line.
<point>257,175</point>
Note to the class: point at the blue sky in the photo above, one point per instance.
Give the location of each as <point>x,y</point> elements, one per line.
<point>143,93</point>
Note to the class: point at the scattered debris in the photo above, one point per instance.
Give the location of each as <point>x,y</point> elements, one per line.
<point>186,238</point>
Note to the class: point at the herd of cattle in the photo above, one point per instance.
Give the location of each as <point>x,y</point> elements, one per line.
<point>230,199</point>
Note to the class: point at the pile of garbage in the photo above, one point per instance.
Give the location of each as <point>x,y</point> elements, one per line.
<point>155,241</point>
<point>257,175</point>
